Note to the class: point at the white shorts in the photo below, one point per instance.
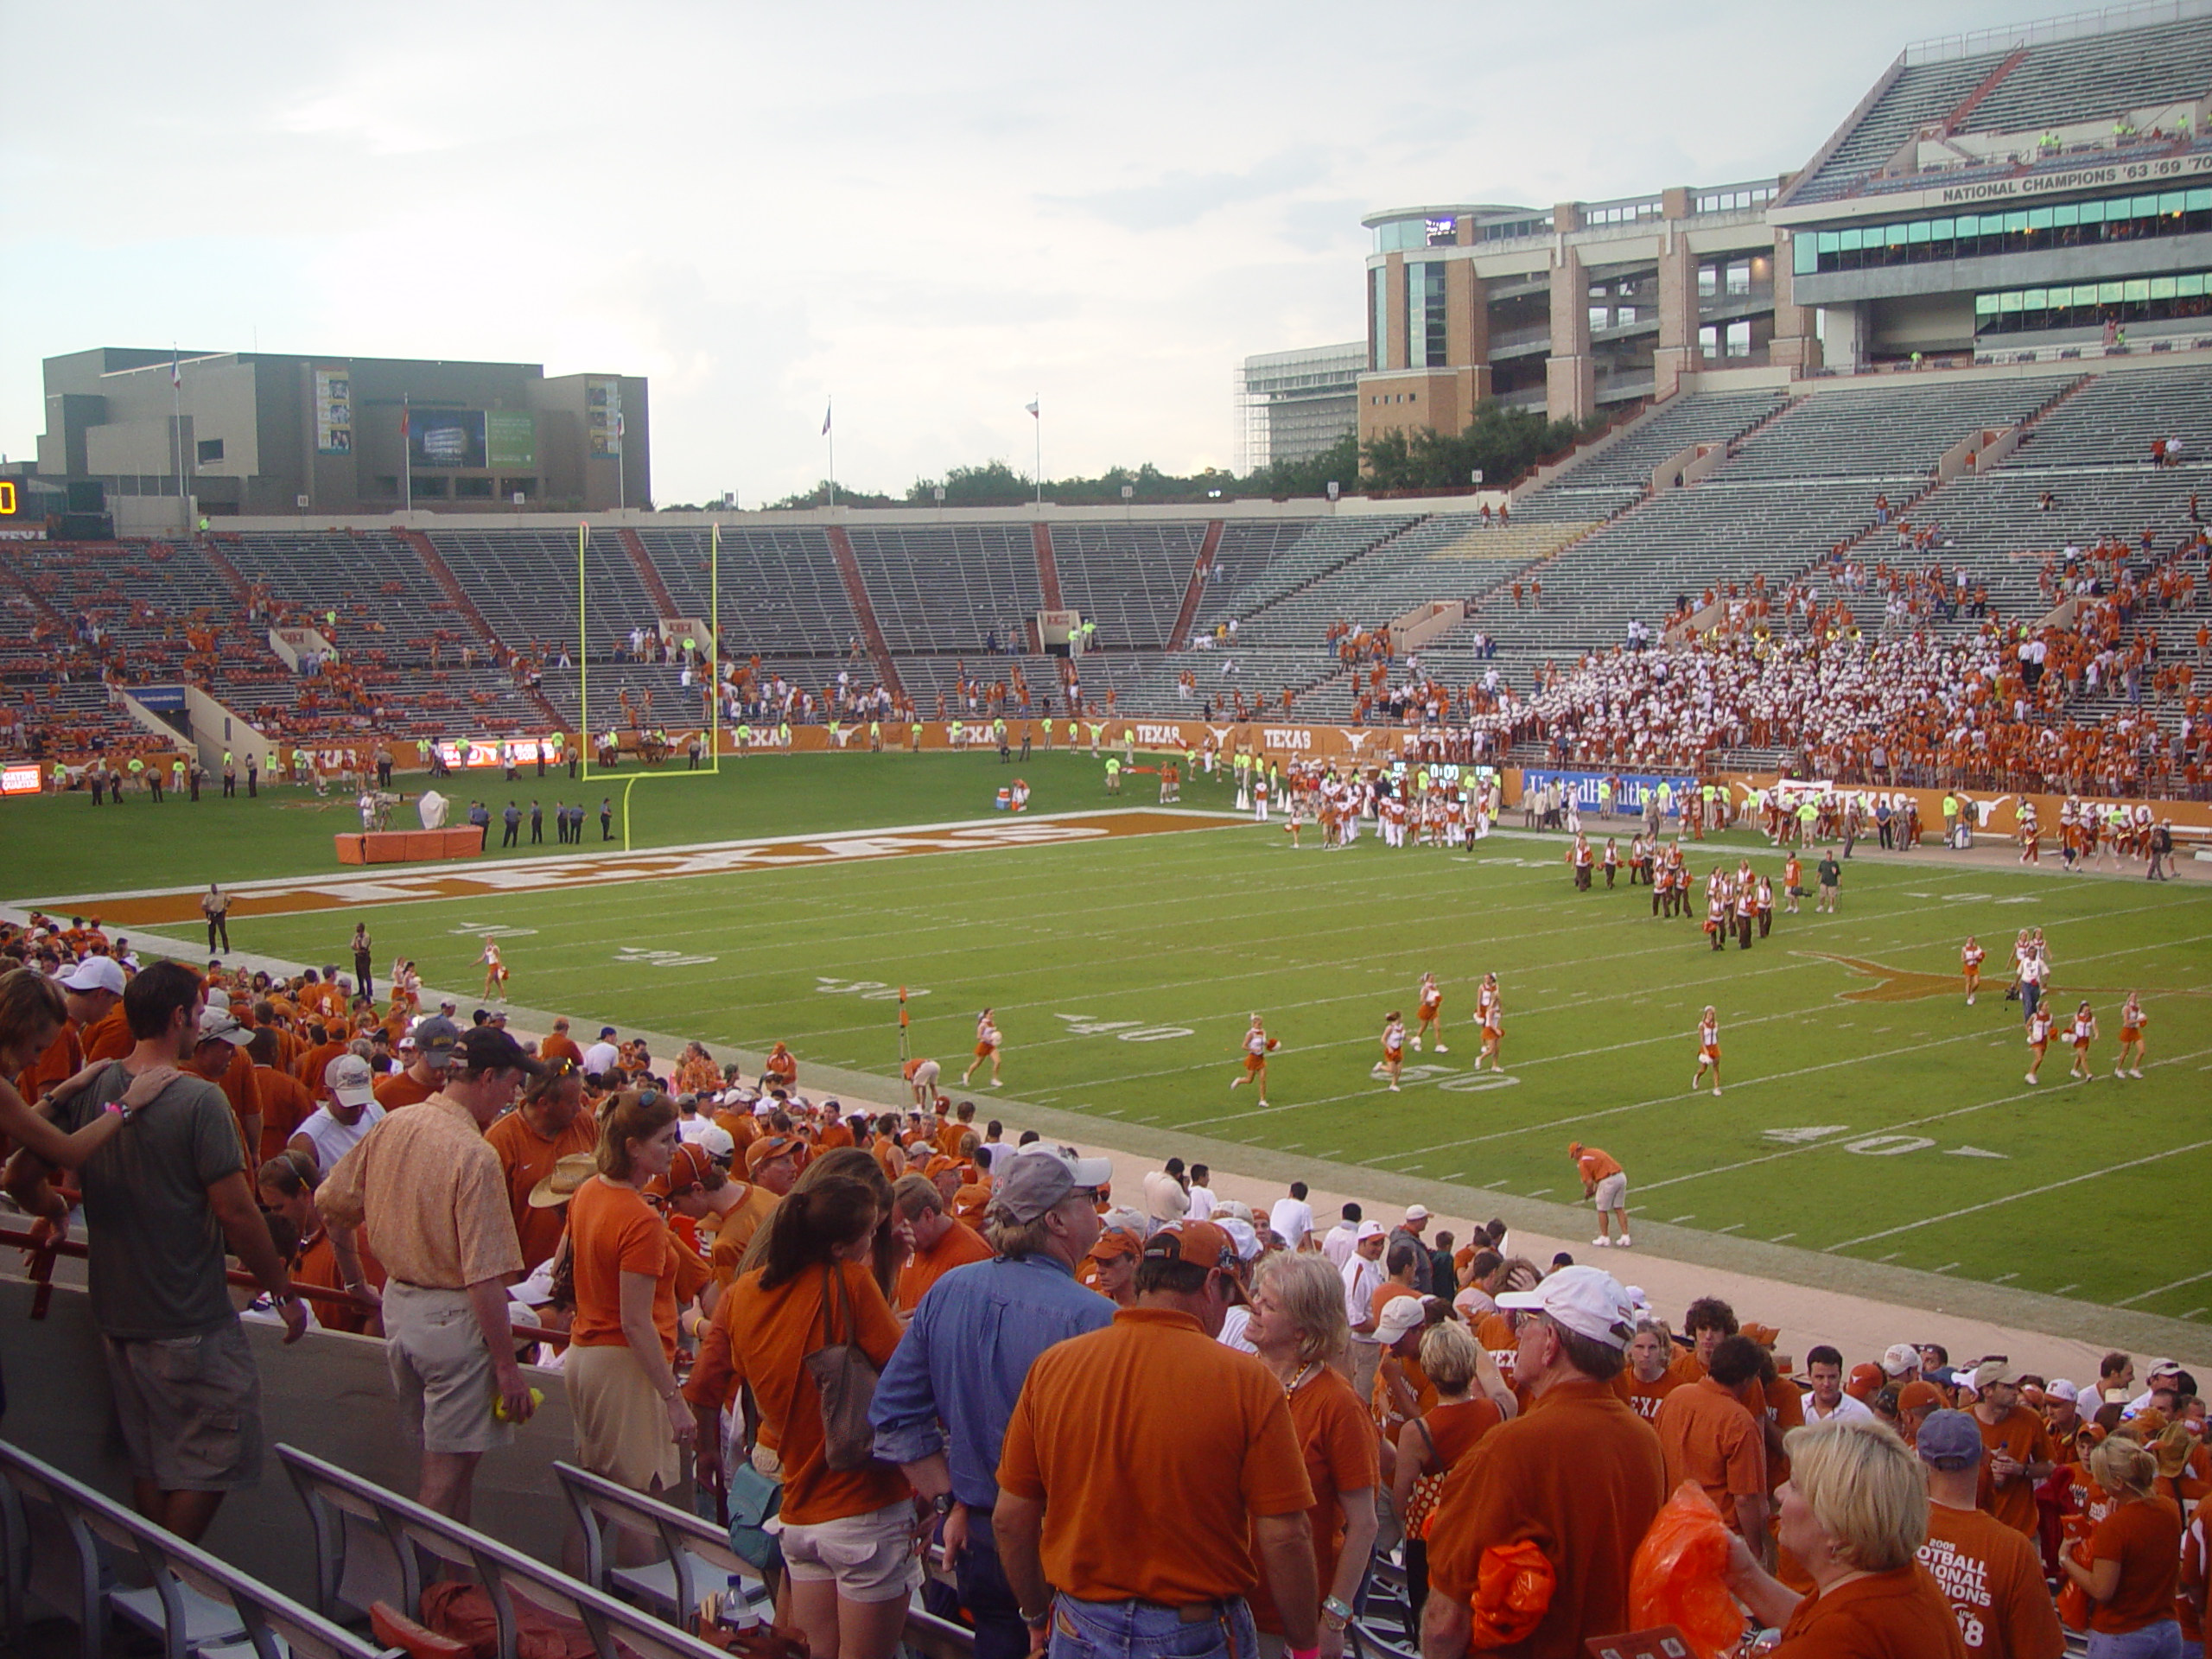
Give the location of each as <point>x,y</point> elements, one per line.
<point>871,1557</point>
<point>1612,1191</point>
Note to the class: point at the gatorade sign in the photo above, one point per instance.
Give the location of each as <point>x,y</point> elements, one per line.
<point>20,780</point>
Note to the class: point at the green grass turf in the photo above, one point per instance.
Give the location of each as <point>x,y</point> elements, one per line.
<point>61,845</point>
<point>1122,972</point>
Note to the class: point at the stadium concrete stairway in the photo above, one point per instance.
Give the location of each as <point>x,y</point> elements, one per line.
<point>840,545</point>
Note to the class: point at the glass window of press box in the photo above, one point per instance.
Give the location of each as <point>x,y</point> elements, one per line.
<point>2087,305</point>
<point>2017,230</point>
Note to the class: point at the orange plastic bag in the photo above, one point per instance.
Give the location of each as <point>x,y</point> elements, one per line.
<point>2074,1608</point>
<point>1679,1576</point>
<point>1512,1592</point>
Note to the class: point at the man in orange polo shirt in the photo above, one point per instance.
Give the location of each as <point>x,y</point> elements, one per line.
<point>1577,1475</point>
<point>1706,1322</point>
<point>937,1241</point>
<point>2021,1455</point>
<point>1710,1438</point>
<point>1142,1462</point>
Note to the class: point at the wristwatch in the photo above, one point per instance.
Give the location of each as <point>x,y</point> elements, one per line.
<point>1337,1611</point>
<point>941,1502</point>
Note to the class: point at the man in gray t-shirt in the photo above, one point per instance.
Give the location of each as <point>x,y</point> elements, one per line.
<point>162,1203</point>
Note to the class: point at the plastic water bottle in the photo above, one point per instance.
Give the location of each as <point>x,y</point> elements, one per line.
<point>736,1612</point>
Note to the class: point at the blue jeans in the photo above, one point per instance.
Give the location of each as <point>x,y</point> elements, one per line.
<point>2159,1640</point>
<point>1141,1629</point>
<point>985,1593</point>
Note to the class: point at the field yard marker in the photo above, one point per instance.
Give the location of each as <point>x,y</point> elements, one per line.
<point>1730,1228</point>
<point>2192,1313</point>
<point>2147,1294</point>
<point>1116,1112</point>
<point>1891,1256</point>
<point>2061,1290</point>
<point>1331,1152</point>
<point>1540,1193</point>
<point>1946,1267</point>
<point>1492,1186</point>
<point>1781,1238</point>
<point>2030,1192</point>
<point>2002,1277</point>
<point>1691,1217</point>
<point>1453,1176</point>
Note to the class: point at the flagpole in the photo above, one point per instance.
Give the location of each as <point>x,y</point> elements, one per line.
<point>176,431</point>
<point>829,431</point>
<point>406,454</point>
<point>1037,408</point>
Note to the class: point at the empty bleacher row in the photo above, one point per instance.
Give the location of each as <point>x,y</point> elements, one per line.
<point>1129,579</point>
<point>936,587</point>
<point>2114,420</point>
<point>1619,476</point>
<point>1921,94</point>
<point>1896,431</point>
<point>780,592</point>
<point>2064,82</point>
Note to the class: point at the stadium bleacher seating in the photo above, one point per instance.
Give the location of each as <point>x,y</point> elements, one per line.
<point>949,588</point>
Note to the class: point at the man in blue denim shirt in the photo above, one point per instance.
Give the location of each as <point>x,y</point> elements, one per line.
<point>941,1407</point>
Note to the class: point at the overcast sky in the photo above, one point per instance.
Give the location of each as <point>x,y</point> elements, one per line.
<point>935,212</point>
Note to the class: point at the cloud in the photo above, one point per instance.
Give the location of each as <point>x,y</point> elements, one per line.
<point>935,212</point>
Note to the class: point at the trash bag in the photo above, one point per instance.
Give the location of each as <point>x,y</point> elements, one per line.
<point>1679,1576</point>
<point>2074,1608</point>
<point>1512,1592</point>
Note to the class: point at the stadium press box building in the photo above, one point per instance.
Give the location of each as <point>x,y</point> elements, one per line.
<point>258,432</point>
<point>2025,190</point>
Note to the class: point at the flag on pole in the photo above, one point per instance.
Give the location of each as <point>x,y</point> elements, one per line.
<point>176,374</point>
<point>618,423</point>
<point>825,420</point>
<point>1033,410</point>
<point>402,420</point>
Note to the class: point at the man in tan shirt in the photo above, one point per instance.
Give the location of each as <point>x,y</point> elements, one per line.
<point>433,1192</point>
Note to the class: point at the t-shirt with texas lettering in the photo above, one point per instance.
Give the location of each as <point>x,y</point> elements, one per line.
<point>157,1251</point>
<point>1993,1579</point>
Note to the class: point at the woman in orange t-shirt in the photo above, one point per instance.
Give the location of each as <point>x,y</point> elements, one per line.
<point>1298,1321</point>
<point>851,1536</point>
<point>1469,1391</point>
<point>632,1423</point>
<point>2134,1558</point>
<point>1854,1511</point>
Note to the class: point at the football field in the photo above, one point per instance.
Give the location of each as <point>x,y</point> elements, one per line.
<point>1868,1113</point>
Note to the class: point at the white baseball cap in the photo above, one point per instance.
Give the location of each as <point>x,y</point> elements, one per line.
<point>2059,1389</point>
<point>1588,1301</point>
<point>1399,1315</point>
<point>95,974</point>
<point>1370,1230</point>
<point>1900,1358</point>
<point>216,1026</point>
<point>350,1079</point>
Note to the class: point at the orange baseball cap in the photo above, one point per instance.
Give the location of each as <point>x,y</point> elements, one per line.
<point>688,1167</point>
<point>1766,1335</point>
<point>1113,1243</point>
<point>1866,1380</point>
<point>1916,1393</point>
<point>767,1148</point>
<point>1199,1242</point>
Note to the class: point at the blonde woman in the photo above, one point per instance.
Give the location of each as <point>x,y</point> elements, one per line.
<point>1300,1329</point>
<point>1468,1391</point>
<point>2135,1559</point>
<point>1855,1510</point>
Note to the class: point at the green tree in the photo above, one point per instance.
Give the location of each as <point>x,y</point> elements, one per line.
<point>819,497</point>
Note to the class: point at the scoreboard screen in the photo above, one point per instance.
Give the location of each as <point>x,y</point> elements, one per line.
<point>12,499</point>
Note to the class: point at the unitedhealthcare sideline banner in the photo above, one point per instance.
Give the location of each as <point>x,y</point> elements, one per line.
<point>1633,787</point>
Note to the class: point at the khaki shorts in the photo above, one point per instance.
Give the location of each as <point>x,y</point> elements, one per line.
<point>441,1370</point>
<point>1612,1192</point>
<point>870,1557</point>
<point>190,1409</point>
<point>622,1429</point>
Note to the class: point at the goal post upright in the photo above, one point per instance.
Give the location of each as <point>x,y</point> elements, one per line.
<point>713,682</point>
